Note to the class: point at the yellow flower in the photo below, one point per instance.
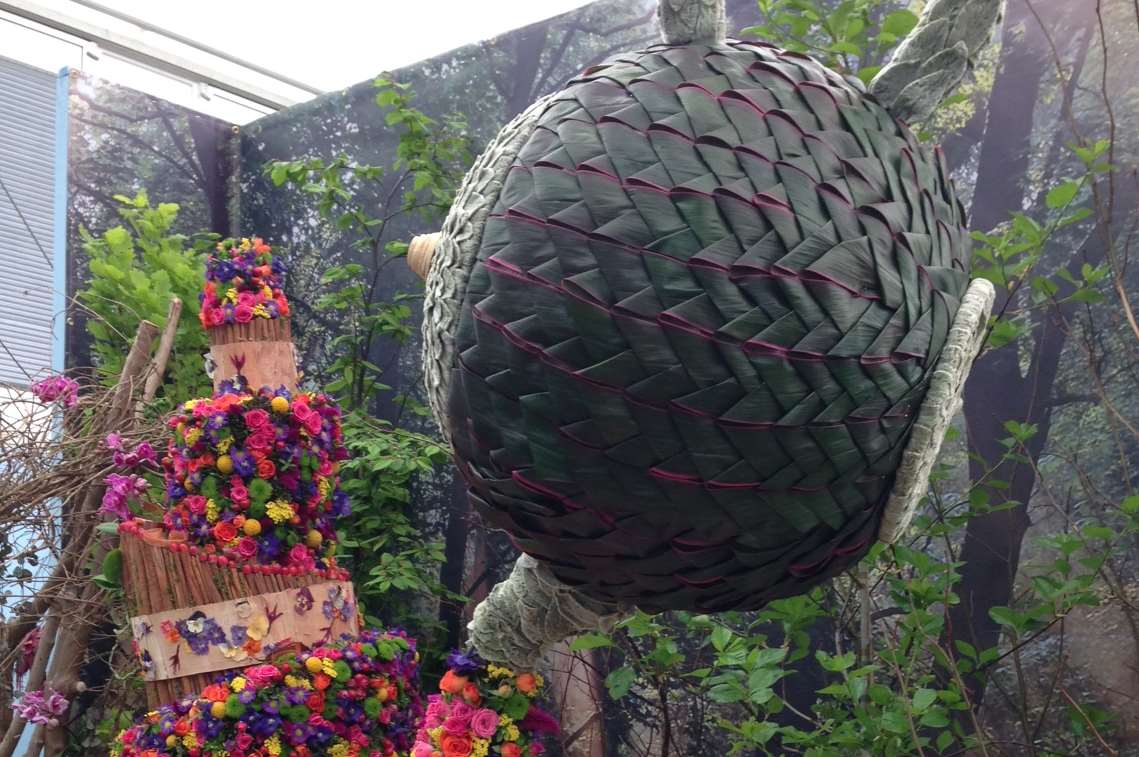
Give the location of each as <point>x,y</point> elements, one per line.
<point>494,671</point>
<point>338,750</point>
<point>237,684</point>
<point>273,744</point>
<point>231,294</point>
<point>192,435</point>
<point>224,445</point>
<point>259,311</point>
<point>329,668</point>
<point>211,510</point>
<point>480,747</point>
<point>436,734</point>
<point>279,511</point>
<point>267,291</point>
<point>504,721</point>
<point>512,733</point>
<point>298,682</point>
<point>324,486</point>
<point>190,741</point>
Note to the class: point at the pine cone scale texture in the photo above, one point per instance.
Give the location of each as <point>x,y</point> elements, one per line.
<point>700,325</point>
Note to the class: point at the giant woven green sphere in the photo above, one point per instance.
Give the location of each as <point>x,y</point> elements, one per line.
<point>702,316</point>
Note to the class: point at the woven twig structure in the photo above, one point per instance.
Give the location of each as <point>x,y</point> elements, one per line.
<point>702,318</point>
<point>163,574</point>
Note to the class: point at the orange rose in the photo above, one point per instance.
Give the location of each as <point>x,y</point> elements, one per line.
<point>471,694</point>
<point>451,683</point>
<point>215,692</point>
<point>225,532</point>
<point>510,749</point>
<point>266,469</point>
<point>458,746</point>
<point>321,682</point>
<point>526,683</point>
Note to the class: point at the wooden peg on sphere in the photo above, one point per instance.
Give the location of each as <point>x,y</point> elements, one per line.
<point>420,252</point>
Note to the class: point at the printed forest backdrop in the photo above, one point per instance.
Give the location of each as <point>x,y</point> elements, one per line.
<point>1057,380</point>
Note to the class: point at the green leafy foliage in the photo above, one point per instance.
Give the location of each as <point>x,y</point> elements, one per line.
<point>853,36</point>
<point>135,270</point>
<point>902,693</point>
<point>391,560</point>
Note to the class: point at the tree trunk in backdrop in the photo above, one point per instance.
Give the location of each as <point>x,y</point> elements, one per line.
<point>991,550</point>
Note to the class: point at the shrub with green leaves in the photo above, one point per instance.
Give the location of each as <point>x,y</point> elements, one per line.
<point>135,270</point>
<point>392,563</point>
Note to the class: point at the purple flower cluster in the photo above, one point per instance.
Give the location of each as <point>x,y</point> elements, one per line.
<point>57,388</point>
<point>120,491</point>
<point>42,708</point>
<point>143,453</point>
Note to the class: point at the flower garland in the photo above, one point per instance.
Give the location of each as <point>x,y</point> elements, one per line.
<point>243,282</point>
<point>482,710</point>
<point>254,477</point>
<point>345,699</point>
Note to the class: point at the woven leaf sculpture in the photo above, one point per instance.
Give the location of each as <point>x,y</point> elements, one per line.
<point>681,331</point>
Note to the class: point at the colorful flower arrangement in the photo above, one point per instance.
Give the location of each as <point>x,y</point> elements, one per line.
<point>482,710</point>
<point>345,699</point>
<point>243,282</point>
<point>253,477</point>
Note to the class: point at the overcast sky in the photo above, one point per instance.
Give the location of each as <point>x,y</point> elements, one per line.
<point>333,43</point>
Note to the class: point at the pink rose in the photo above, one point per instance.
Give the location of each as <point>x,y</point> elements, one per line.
<point>256,418</point>
<point>462,710</point>
<point>247,548</point>
<point>260,441</point>
<point>300,555</point>
<point>484,723</point>
<point>196,503</point>
<point>456,726</point>
<point>247,299</point>
<point>422,749</point>
<point>262,675</point>
<point>217,317</point>
<point>238,492</point>
<point>313,423</point>
<point>243,314</point>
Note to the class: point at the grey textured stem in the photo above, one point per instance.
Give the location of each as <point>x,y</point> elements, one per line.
<point>934,58</point>
<point>942,400</point>
<point>531,611</point>
<point>685,21</point>
<point>454,255</point>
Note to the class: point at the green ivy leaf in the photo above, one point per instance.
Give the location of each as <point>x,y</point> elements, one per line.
<point>590,641</point>
<point>619,681</point>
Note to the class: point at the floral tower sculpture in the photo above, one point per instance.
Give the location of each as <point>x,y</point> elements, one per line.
<point>246,630</point>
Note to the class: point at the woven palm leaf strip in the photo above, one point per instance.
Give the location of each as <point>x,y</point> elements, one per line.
<point>700,325</point>
<point>454,254</point>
